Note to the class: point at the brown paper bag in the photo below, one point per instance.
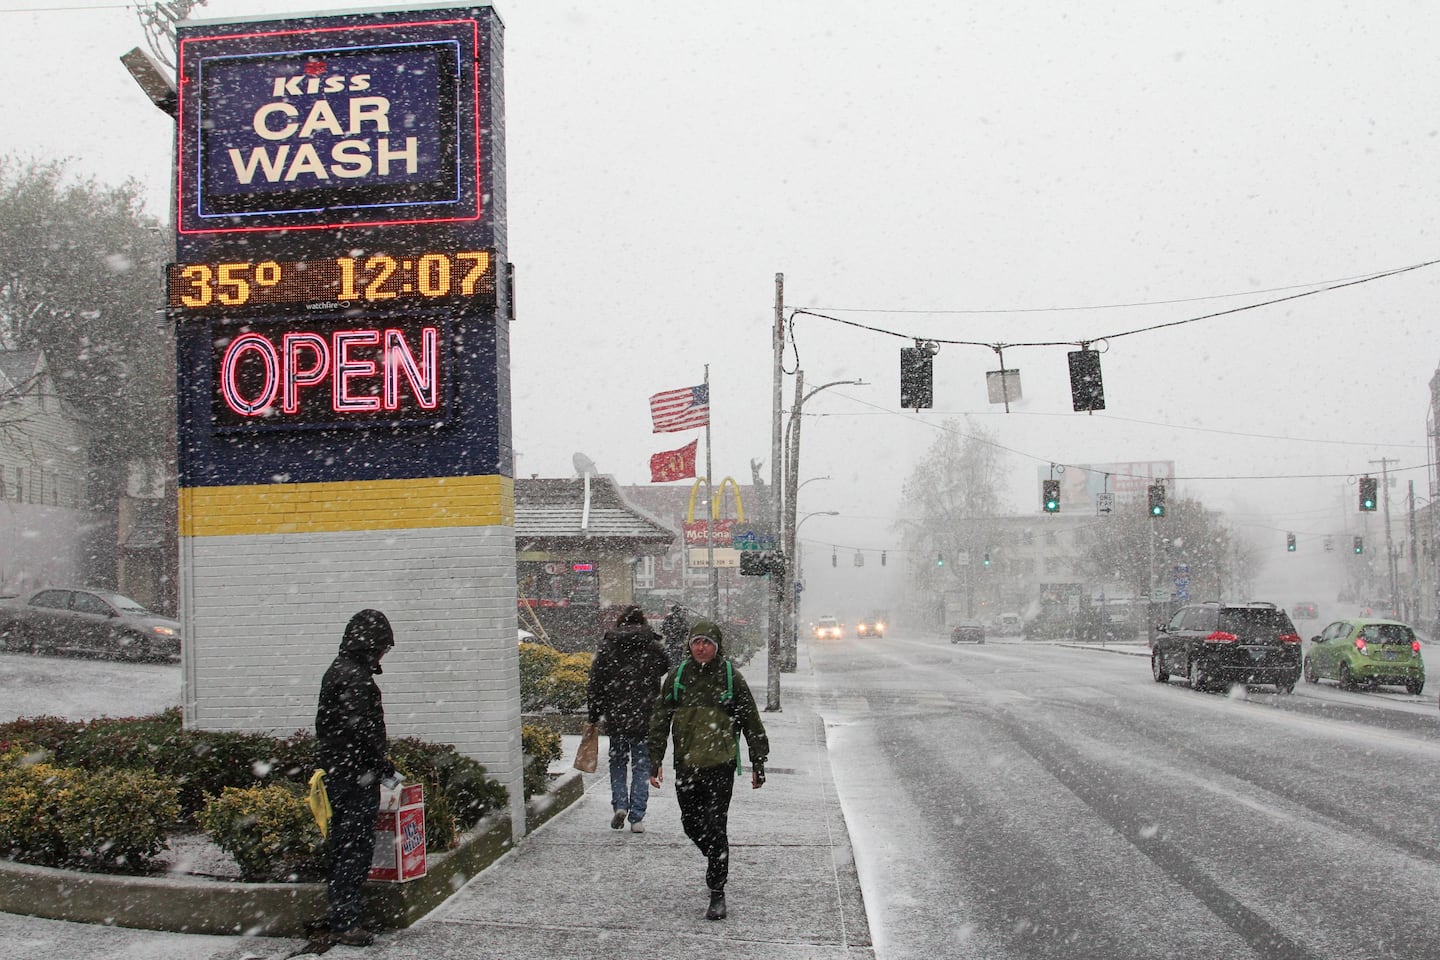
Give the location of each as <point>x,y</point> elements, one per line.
<point>587,757</point>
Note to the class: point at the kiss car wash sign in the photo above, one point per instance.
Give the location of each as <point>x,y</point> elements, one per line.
<point>341,301</point>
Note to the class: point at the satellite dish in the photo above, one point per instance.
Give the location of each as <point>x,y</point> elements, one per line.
<point>584,465</point>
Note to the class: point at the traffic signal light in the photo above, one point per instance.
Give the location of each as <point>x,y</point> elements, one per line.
<point>1086,390</point>
<point>833,561</point>
<point>939,559</point>
<point>1290,542</point>
<point>1050,496</point>
<point>987,559</point>
<point>1367,493</point>
<point>1157,499</point>
<point>916,377</point>
<point>1359,544</point>
<point>882,558</point>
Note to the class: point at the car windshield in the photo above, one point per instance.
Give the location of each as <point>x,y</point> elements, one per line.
<point>1255,623</point>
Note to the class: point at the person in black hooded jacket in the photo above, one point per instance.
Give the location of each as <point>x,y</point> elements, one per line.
<point>350,734</point>
<point>624,682</point>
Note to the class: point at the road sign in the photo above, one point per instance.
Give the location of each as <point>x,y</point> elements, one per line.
<point>1104,504</point>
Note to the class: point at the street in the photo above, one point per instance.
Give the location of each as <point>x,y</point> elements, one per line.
<point>1031,800</point>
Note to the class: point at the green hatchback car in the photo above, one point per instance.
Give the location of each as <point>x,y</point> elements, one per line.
<point>1365,650</point>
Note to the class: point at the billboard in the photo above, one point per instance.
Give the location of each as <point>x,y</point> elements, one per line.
<point>311,123</point>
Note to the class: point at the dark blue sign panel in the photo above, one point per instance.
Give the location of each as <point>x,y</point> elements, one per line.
<point>338,128</point>
<point>368,120</point>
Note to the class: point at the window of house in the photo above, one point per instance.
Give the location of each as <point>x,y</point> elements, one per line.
<point>645,573</point>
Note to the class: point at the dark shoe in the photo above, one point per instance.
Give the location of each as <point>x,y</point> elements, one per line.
<point>356,936</point>
<point>618,821</point>
<point>717,906</point>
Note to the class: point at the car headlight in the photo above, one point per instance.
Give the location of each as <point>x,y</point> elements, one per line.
<point>164,631</point>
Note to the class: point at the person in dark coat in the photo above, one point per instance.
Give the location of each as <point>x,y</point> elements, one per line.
<point>675,629</point>
<point>624,681</point>
<point>707,705</point>
<point>350,734</point>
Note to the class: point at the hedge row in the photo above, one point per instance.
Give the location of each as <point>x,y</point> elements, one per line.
<point>83,794</point>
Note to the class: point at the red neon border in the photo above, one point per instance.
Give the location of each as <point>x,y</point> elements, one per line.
<point>180,132</point>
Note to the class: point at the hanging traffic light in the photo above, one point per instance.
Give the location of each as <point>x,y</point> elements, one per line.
<point>882,558</point>
<point>1086,390</point>
<point>917,365</point>
<point>1157,499</point>
<point>833,561</point>
<point>939,559</point>
<point>1359,544</point>
<point>1290,542</point>
<point>1050,496</point>
<point>1367,493</point>
<point>987,559</point>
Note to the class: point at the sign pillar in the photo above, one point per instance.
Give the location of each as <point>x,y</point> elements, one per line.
<point>341,302</point>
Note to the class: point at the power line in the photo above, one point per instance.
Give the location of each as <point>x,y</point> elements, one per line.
<point>1085,341</point>
<point>1097,306</point>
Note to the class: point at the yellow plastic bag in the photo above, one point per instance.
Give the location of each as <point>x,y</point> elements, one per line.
<point>319,803</point>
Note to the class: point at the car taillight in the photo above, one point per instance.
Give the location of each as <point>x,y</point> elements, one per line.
<point>1360,644</point>
<point>1289,638</point>
<point>1220,636</point>
<point>1415,645</point>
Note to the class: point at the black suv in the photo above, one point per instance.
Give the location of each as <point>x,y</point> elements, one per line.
<point>1215,644</point>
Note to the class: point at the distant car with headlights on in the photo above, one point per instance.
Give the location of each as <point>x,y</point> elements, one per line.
<point>871,626</point>
<point>828,628</point>
<point>84,620</point>
<point>1368,651</point>
<point>967,631</point>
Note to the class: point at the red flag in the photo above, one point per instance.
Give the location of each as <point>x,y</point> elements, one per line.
<point>683,409</point>
<point>674,464</point>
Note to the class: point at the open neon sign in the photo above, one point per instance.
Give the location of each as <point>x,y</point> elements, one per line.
<point>324,374</point>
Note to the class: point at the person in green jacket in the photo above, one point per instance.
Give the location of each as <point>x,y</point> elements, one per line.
<point>706,704</point>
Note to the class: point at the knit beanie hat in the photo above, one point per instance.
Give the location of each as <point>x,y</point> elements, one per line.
<point>705,628</point>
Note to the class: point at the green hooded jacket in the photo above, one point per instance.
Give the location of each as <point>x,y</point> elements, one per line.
<point>706,713</point>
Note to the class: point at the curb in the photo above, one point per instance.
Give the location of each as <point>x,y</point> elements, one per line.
<point>184,905</point>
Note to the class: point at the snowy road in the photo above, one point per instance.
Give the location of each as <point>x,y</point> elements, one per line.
<point>1027,801</point>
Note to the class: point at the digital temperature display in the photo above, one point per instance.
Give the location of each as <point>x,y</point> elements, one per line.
<point>369,280</point>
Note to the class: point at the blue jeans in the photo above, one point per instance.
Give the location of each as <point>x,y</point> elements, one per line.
<point>629,755</point>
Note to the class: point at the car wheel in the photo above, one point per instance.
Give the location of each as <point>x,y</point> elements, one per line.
<point>1310,676</point>
<point>1199,679</point>
<point>1347,682</point>
<point>1285,686</point>
<point>1414,687</point>
<point>134,646</point>
<point>1157,670</point>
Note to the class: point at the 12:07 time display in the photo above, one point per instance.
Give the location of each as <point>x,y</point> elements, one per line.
<point>433,275</point>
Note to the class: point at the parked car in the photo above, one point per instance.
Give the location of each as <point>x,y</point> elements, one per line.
<point>828,628</point>
<point>1370,651</point>
<point>83,620</point>
<point>1215,644</point>
<point>1305,610</point>
<point>871,626</point>
<point>967,631</point>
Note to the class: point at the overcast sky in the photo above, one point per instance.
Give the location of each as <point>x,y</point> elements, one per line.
<point>990,172</point>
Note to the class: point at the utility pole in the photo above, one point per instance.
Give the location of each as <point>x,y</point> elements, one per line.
<point>773,622</point>
<point>1389,542</point>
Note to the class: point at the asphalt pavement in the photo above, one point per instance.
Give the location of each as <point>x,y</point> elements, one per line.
<point>576,889</point>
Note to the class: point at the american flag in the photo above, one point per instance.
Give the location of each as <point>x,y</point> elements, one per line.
<point>686,409</point>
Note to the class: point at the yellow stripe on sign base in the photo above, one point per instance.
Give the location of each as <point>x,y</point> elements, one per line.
<point>347,505</point>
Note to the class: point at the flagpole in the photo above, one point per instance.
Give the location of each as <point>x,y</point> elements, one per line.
<point>710,515</point>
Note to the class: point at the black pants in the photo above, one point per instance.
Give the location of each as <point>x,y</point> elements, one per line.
<point>704,796</point>
<point>354,800</point>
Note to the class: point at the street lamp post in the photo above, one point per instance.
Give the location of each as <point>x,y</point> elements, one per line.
<point>792,490</point>
<point>792,604</point>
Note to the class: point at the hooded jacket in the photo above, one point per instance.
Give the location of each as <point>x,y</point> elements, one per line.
<point>625,680</point>
<point>706,712</point>
<point>350,719</point>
